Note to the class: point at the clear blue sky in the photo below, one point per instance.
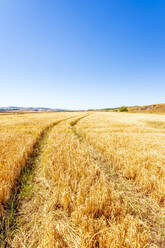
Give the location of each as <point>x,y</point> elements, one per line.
<point>82,53</point>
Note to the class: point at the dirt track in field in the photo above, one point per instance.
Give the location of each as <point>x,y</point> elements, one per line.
<point>8,223</point>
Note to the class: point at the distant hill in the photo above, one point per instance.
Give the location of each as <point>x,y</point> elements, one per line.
<point>31,109</point>
<point>153,108</point>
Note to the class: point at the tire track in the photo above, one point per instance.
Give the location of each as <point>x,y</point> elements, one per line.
<point>23,187</point>
<point>32,203</point>
<point>138,204</point>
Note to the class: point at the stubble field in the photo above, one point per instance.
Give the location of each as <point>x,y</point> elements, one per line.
<point>82,179</point>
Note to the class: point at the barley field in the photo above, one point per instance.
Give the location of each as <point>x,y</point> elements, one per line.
<point>96,179</point>
<point>18,134</point>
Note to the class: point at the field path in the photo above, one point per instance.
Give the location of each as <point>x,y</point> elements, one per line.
<point>138,204</point>
<point>23,187</point>
<point>70,196</point>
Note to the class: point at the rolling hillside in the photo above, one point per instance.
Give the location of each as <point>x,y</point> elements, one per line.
<point>153,108</point>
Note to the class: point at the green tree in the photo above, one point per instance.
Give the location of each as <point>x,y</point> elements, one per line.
<point>123,109</point>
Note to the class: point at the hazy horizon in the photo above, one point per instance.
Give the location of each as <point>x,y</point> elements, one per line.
<point>38,107</point>
<point>82,55</point>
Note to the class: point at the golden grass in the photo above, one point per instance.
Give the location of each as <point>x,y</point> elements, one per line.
<point>18,134</point>
<point>132,145</point>
<point>98,182</point>
<point>73,204</point>
<point>135,151</point>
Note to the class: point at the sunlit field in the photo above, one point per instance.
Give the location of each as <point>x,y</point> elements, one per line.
<point>134,145</point>
<point>98,180</point>
<point>18,134</point>
<point>132,148</point>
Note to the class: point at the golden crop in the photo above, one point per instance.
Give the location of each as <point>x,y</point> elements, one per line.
<point>98,182</point>
<point>73,204</point>
<point>134,144</point>
<point>18,134</point>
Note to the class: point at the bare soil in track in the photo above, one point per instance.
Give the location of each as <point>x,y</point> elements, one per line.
<point>23,186</point>
<point>138,205</point>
